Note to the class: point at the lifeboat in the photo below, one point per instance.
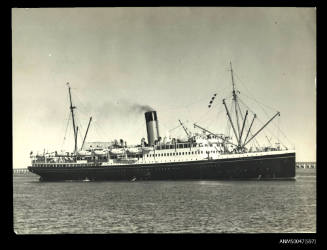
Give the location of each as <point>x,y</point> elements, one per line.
<point>84,153</point>
<point>134,150</point>
<point>146,149</point>
<point>117,151</point>
<point>100,152</point>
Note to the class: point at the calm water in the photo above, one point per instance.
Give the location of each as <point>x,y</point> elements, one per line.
<point>166,206</point>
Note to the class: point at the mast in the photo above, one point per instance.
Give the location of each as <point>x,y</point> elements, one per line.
<point>241,126</point>
<point>73,118</point>
<point>235,102</point>
<point>76,139</point>
<point>86,132</point>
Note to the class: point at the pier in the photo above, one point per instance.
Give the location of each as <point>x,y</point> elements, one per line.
<point>306,165</point>
<point>21,172</point>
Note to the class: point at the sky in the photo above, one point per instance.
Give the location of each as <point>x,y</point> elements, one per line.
<point>172,59</point>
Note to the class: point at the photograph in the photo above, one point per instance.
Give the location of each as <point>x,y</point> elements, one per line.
<point>164,120</point>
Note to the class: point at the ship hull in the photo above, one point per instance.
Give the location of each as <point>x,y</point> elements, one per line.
<point>268,167</point>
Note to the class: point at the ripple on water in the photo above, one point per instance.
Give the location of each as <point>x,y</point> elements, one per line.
<point>165,207</point>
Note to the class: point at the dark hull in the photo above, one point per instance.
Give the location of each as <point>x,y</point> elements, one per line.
<point>280,166</point>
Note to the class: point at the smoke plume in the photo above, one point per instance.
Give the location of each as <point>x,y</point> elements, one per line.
<point>120,109</point>
<point>140,108</point>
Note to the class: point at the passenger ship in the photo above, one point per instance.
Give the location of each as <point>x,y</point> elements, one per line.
<point>202,156</point>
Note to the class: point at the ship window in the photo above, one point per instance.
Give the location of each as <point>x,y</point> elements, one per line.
<point>183,153</point>
<point>201,152</point>
<point>189,153</point>
<point>171,146</point>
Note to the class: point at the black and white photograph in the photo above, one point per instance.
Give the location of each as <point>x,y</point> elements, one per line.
<point>164,120</point>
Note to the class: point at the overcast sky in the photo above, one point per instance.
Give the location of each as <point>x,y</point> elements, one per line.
<point>172,59</point>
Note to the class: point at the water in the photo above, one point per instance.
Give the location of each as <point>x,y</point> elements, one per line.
<point>166,206</point>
